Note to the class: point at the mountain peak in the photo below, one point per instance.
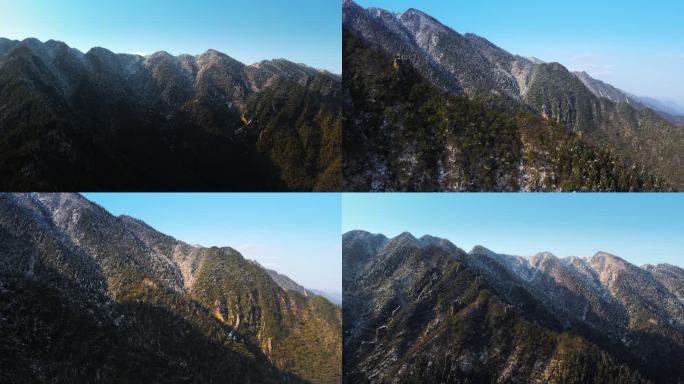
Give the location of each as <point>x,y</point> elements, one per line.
<point>406,236</point>
<point>543,260</point>
<point>161,54</point>
<point>660,265</point>
<point>213,53</point>
<point>424,20</point>
<point>413,11</point>
<point>481,250</point>
<point>212,56</point>
<point>605,255</point>
<point>606,264</point>
<point>545,255</point>
<point>100,52</point>
<point>31,40</point>
<point>359,233</point>
<point>431,239</point>
<point>55,43</point>
<point>405,239</point>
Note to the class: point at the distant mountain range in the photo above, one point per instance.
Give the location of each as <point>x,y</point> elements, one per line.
<point>103,121</point>
<point>333,296</point>
<point>428,108</point>
<point>86,296</point>
<point>423,310</point>
<point>288,284</point>
<point>667,110</point>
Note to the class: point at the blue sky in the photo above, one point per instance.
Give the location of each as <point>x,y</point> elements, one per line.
<point>306,31</point>
<point>635,45</point>
<point>641,228</point>
<point>295,234</point>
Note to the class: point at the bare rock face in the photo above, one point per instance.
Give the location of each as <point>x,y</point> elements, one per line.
<point>426,310</point>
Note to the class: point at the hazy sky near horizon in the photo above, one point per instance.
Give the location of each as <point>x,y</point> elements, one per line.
<point>307,31</point>
<point>637,46</point>
<point>643,228</point>
<point>296,234</point>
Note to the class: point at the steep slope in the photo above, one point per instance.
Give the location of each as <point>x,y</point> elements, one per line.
<point>299,128</point>
<point>298,333</point>
<point>670,111</point>
<point>105,121</point>
<point>601,89</point>
<point>382,28</point>
<point>90,297</point>
<point>403,133</point>
<point>602,115</point>
<point>624,309</point>
<point>420,310</point>
<point>670,276</point>
<point>286,283</point>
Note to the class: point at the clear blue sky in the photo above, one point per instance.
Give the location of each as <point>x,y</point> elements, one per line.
<point>295,234</point>
<point>635,45</point>
<point>306,31</point>
<point>641,228</point>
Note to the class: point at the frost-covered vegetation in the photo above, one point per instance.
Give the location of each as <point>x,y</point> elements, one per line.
<point>403,133</point>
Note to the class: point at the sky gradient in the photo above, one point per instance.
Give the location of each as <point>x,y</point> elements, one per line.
<point>635,45</point>
<point>306,31</point>
<point>295,234</point>
<point>639,227</point>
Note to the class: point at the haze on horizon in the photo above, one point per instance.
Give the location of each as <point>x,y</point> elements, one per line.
<point>633,45</point>
<point>249,31</point>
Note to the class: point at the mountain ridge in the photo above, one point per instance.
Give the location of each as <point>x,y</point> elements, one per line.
<point>426,240</point>
<point>630,316</point>
<point>472,67</point>
<point>7,44</point>
<point>179,310</point>
<point>141,119</point>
